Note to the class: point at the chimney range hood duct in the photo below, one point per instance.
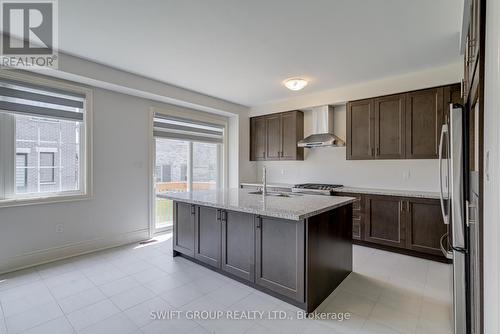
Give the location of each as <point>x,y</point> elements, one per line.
<point>322,124</point>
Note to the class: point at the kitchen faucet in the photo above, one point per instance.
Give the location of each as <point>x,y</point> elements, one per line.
<point>264,181</point>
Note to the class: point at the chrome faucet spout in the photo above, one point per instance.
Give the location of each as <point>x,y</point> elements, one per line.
<point>264,181</point>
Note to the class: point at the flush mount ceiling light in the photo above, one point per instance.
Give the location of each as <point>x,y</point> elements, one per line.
<point>295,83</point>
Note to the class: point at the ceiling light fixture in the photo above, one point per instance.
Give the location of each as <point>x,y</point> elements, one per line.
<point>295,83</point>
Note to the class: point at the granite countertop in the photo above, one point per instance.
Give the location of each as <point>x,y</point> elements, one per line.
<point>373,191</point>
<point>292,208</point>
<point>269,184</point>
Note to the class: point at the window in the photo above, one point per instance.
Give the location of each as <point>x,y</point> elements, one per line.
<point>44,130</point>
<point>47,167</point>
<point>21,172</point>
<point>189,153</point>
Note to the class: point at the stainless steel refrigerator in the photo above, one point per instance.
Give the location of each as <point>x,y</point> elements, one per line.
<point>454,183</point>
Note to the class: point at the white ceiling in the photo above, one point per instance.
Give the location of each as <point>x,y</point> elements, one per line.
<point>241,50</point>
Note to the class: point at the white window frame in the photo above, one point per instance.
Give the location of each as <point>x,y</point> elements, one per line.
<point>53,167</point>
<point>222,152</point>
<point>8,197</point>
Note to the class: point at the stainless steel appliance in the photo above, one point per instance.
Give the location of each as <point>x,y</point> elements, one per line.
<point>453,178</point>
<point>322,134</point>
<point>315,188</point>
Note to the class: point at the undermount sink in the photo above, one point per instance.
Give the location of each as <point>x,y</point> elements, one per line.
<point>275,194</point>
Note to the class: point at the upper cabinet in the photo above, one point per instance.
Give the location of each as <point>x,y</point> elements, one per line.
<point>275,136</point>
<point>401,126</point>
<point>424,118</point>
<point>390,127</point>
<point>360,130</point>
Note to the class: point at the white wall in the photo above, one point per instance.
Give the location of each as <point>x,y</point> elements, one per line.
<point>329,164</point>
<point>492,165</point>
<point>119,210</point>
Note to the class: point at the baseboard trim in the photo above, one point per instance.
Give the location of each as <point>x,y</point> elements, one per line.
<point>70,250</point>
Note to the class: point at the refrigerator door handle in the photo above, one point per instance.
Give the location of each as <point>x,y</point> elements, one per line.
<point>446,253</point>
<point>444,130</point>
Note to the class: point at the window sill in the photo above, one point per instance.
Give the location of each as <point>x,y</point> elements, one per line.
<point>24,201</point>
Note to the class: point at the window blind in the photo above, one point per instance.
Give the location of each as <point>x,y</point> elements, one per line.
<point>26,99</point>
<point>185,129</point>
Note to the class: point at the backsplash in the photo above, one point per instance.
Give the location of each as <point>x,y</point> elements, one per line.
<point>329,165</point>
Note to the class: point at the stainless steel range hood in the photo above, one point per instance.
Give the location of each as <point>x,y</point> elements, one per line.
<point>322,124</point>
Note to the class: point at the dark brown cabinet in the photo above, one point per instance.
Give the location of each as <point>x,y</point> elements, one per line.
<point>425,226</point>
<point>384,223</point>
<point>390,127</point>
<point>408,225</point>
<point>208,236</point>
<point>424,118</point>
<point>258,135</point>
<point>360,130</point>
<point>280,256</point>
<point>292,130</point>
<point>238,244</point>
<point>275,136</point>
<point>401,126</point>
<point>184,230</point>
<point>358,209</point>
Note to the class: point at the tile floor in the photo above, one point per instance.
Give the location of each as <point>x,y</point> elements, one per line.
<point>114,291</point>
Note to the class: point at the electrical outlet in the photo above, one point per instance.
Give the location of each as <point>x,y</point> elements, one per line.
<point>59,228</point>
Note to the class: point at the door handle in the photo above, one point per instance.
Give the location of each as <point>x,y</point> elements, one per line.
<point>193,209</point>
<point>446,253</point>
<point>218,215</point>
<point>444,130</point>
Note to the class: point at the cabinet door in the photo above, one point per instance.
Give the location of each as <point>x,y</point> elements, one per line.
<point>184,214</point>
<point>360,130</point>
<point>451,94</point>
<point>425,226</point>
<point>208,236</point>
<point>273,134</point>
<point>358,211</point>
<point>279,261</point>
<point>238,244</point>
<point>258,137</point>
<point>384,221</point>
<point>390,127</point>
<point>424,117</point>
<point>292,130</point>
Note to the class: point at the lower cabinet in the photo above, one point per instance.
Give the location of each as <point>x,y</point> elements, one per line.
<point>411,225</point>
<point>208,236</point>
<point>184,228</point>
<point>280,256</point>
<point>425,226</point>
<point>268,252</point>
<point>358,208</point>
<point>238,244</point>
<point>385,223</point>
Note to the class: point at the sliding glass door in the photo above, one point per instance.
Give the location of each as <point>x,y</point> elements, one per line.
<point>188,156</point>
<point>171,168</point>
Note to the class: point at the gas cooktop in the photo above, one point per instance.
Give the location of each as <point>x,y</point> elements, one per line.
<point>316,188</point>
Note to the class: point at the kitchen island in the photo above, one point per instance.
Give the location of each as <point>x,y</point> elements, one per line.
<point>295,247</point>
